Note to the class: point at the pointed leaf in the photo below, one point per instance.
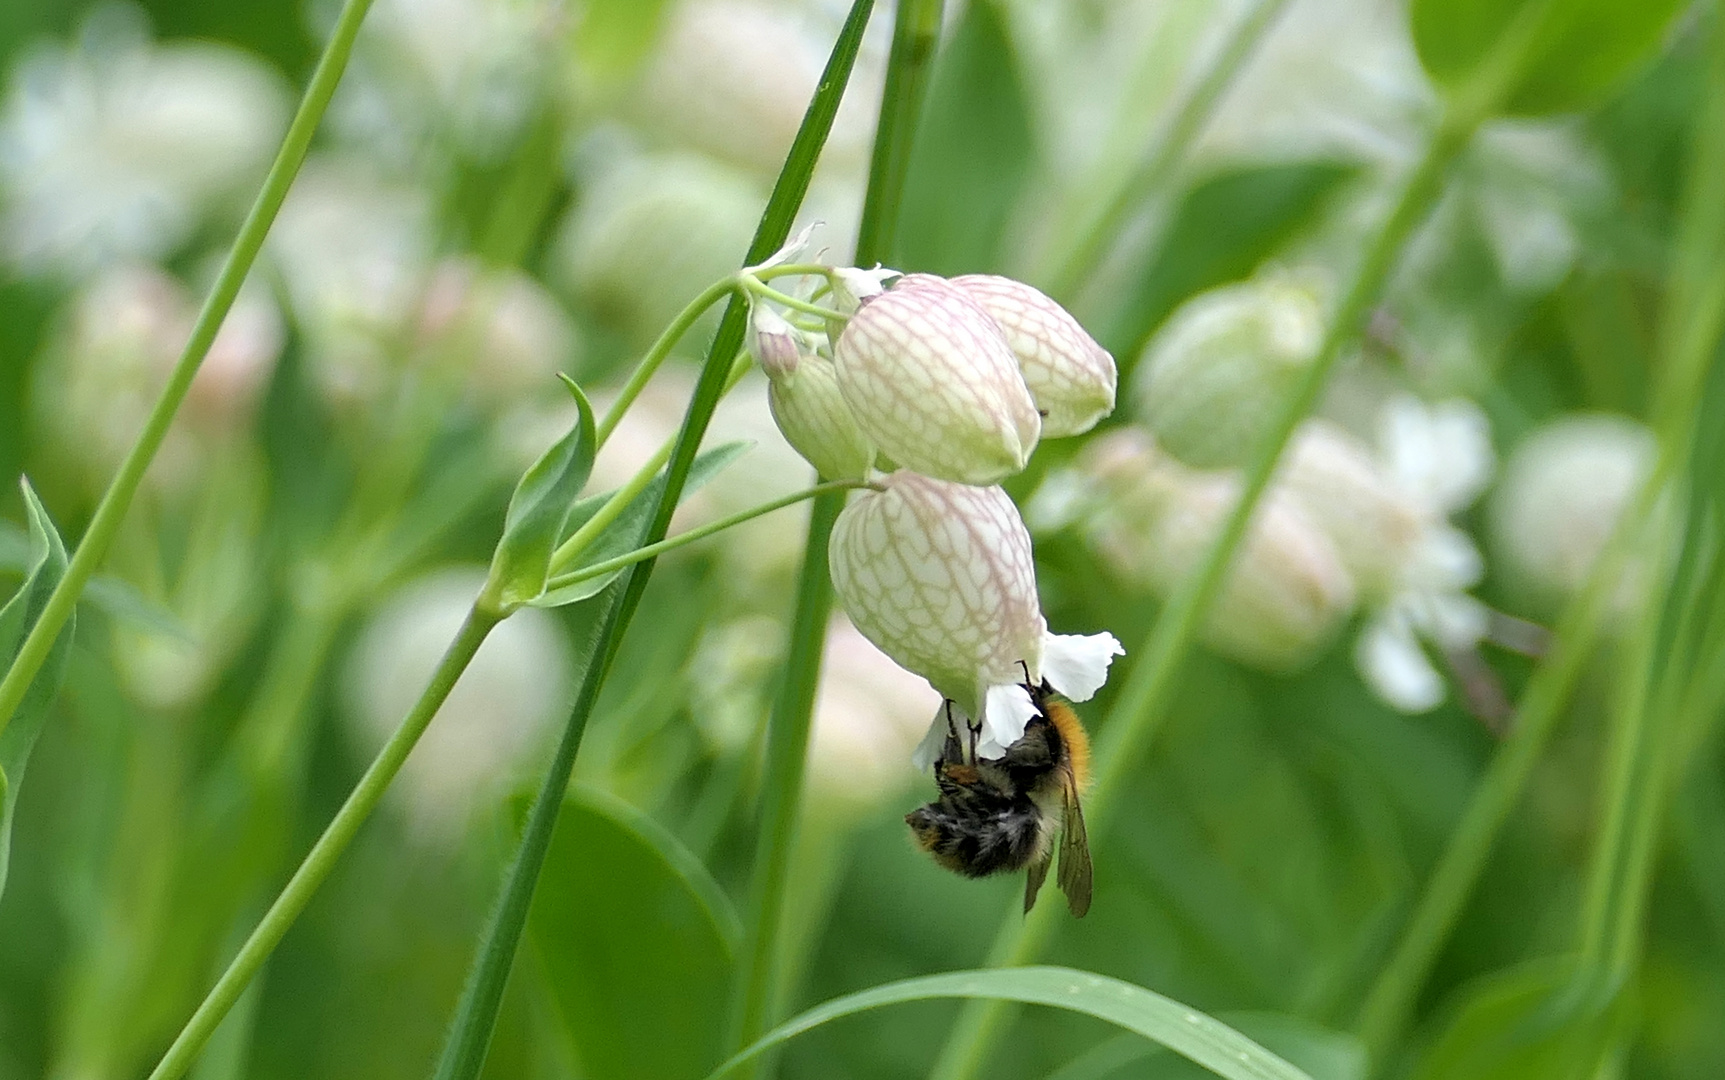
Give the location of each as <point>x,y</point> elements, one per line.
<point>538,509</point>
<point>636,940</point>
<point>1187,1032</point>
<point>625,533</point>
<point>47,566</point>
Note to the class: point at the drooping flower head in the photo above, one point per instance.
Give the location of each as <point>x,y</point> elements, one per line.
<point>939,575</point>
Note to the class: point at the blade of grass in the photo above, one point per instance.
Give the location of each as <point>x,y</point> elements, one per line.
<point>1694,313</point>
<point>105,524</point>
<point>476,1015</point>
<point>916,33</point>
<point>1154,677</point>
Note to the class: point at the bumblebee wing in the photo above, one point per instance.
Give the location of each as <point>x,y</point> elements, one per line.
<point>1075,869</point>
<point>1037,874</point>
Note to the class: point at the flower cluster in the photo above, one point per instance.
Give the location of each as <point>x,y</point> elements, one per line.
<point>946,385</point>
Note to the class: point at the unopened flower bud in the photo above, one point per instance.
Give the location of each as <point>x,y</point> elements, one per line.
<point>1563,490</point>
<point>1213,379</point>
<point>1070,376</point>
<point>773,342</point>
<point>1287,592</point>
<point>933,385</point>
<point>939,576</point>
<point>812,414</point>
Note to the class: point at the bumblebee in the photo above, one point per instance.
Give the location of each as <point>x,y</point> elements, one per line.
<point>997,815</point>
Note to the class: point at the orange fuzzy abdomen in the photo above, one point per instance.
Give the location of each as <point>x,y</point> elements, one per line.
<point>1077,740</point>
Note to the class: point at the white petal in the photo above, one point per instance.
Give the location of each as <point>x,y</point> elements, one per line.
<point>793,248</point>
<point>1006,709</point>
<point>852,284</point>
<point>1440,453</point>
<point>1457,620</point>
<point>1077,664</point>
<point>1389,657</point>
<point>929,749</point>
<point>1446,560</point>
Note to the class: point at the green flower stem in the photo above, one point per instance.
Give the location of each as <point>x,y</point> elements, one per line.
<point>756,288</point>
<point>1149,692</point>
<point>701,532</point>
<point>1096,235</point>
<point>661,349</point>
<point>755,993</point>
<point>1694,314</point>
<point>469,1037</point>
<point>323,855</point>
<point>105,524</point>
<point>591,529</point>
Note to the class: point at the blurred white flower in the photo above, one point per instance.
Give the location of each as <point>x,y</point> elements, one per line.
<point>111,358</point>
<point>1437,458</point>
<point>354,254</point>
<point>869,716</point>
<point>1211,382</point>
<point>731,78</point>
<point>497,332</point>
<point>649,233</point>
<point>929,377</point>
<point>494,726</point>
<point>463,69</point>
<point>940,577</point>
<point>1152,519</point>
<point>116,148</point>
<point>1563,490</point>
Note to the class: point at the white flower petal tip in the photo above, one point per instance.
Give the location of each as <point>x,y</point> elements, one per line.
<point>934,386</point>
<point>854,285</point>
<point>1077,664</point>
<point>1440,452</point>
<point>1395,667</point>
<point>793,249</point>
<point>1072,378</point>
<point>1006,709</point>
<point>929,749</point>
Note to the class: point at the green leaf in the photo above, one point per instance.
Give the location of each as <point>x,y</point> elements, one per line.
<point>107,594</point>
<point>1187,1032</point>
<point>538,510</point>
<point>972,153</point>
<point>636,941</point>
<point>1321,1052</point>
<point>1223,227</point>
<point>47,565</point>
<point>1551,1018</point>
<point>1585,48</point>
<point>625,533</point>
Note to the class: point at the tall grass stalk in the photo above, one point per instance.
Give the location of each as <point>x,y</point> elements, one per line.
<point>105,523</point>
<point>916,37</point>
<point>1149,691</point>
<point>1097,232</point>
<point>1694,314</point>
<point>464,1050</point>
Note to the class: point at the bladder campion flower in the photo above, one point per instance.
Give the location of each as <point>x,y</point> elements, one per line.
<point>939,576</point>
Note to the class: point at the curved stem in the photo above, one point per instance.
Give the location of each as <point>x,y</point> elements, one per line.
<point>701,532</point>
<point>757,288</point>
<point>105,524</point>
<point>1149,691</point>
<point>322,858</point>
<point>656,355</point>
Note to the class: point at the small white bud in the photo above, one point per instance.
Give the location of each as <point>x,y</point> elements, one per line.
<point>812,414</point>
<point>940,577</point>
<point>1563,490</point>
<point>853,286</point>
<point>1211,382</point>
<point>775,344</point>
<point>1070,376</point>
<point>1287,593</point>
<point>933,385</point>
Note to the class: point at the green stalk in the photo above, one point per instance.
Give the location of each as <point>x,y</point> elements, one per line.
<point>656,355</point>
<point>1149,691</point>
<point>1694,312</point>
<point>322,858</point>
<point>701,532</point>
<point>916,33</point>
<point>105,524</point>
<point>1097,234</point>
<point>476,1015</point>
